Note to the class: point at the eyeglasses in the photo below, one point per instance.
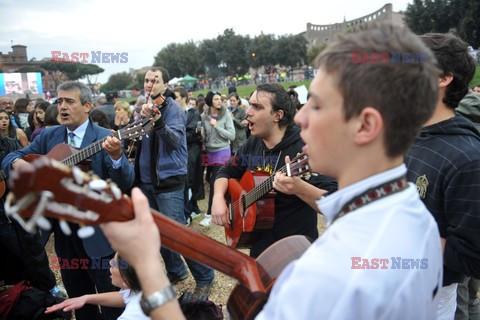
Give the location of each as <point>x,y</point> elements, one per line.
<point>6,103</point>
<point>217,92</point>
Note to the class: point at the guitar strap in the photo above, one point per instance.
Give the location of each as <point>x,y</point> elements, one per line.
<point>374,194</point>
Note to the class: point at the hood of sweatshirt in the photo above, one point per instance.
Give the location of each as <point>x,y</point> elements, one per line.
<point>469,107</point>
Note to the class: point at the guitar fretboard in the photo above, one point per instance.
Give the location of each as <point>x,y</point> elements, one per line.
<point>3,176</point>
<point>85,153</point>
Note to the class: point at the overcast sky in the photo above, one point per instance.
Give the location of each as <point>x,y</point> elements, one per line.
<point>143,27</point>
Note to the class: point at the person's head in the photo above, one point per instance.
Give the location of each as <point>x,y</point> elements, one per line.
<point>51,116</point>
<point>136,112</point>
<point>361,110</point>
<point>21,105</point>
<point>123,106</point>
<point>270,107</point>
<point>74,103</point>
<point>99,118</point>
<point>294,97</point>
<point>232,89</point>
<point>192,102</point>
<point>477,88</point>
<point>201,106</point>
<point>111,97</point>
<point>6,103</point>
<point>224,100</point>
<point>213,99</point>
<point>190,93</point>
<point>5,125</point>
<point>234,100</point>
<point>156,81</point>
<point>100,101</point>
<point>123,275</point>
<point>181,95</point>
<point>455,63</point>
<point>39,112</point>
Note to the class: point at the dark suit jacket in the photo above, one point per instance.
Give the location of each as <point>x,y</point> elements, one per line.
<point>97,245</point>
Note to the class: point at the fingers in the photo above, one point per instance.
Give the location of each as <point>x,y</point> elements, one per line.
<point>56,307</point>
<point>287,159</point>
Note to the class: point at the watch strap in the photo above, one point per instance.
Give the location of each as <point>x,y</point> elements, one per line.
<point>157,299</point>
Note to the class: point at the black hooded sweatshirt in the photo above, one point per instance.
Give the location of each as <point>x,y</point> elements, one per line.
<point>444,163</point>
<point>292,215</point>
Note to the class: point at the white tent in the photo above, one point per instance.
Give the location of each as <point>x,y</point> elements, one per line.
<point>174,81</point>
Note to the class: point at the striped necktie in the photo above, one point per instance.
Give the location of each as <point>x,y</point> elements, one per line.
<point>70,139</point>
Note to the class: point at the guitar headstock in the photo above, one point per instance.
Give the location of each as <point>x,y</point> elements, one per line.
<point>136,129</point>
<point>298,167</point>
<point>47,188</point>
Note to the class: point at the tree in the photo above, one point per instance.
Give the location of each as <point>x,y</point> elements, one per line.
<point>117,81</point>
<point>27,69</point>
<point>291,50</point>
<point>314,51</point>
<point>424,16</point>
<point>233,52</point>
<point>262,46</point>
<point>89,70</point>
<point>209,58</point>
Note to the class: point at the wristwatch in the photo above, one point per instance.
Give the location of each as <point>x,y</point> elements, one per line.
<point>157,299</point>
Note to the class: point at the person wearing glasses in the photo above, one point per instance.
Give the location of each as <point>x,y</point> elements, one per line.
<point>6,103</point>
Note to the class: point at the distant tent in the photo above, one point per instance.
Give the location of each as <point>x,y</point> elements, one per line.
<point>189,79</point>
<point>174,81</point>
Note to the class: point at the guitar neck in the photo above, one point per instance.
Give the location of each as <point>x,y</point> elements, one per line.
<point>209,252</point>
<point>262,189</point>
<point>2,175</point>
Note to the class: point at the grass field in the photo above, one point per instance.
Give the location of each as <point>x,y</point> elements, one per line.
<point>476,77</point>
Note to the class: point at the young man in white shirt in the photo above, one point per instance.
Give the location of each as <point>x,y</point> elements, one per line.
<point>380,257</point>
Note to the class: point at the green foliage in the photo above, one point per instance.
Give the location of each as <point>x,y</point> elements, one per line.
<point>424,16</point>
<point>246,91</point>
<point>290,50</point>
<point>476,78</point>
<point>73,71</point>
<point>117,81</point>
<point>314,51</point>
<point>233,52</point>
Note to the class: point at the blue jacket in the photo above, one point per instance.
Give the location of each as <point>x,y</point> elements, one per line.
<point>97,245</point>
<point>168,149</point>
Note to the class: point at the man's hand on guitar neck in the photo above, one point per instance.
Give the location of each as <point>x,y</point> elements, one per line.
<point>113,147</point>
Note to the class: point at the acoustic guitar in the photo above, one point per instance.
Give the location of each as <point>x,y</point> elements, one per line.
<point>71,156</point>
<point>251,204</point>
<point>49,189</point>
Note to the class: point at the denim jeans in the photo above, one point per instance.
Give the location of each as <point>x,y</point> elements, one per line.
<point>171,204</point>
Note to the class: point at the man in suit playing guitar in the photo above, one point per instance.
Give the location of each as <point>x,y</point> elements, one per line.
<point>356,129</point>
<point>273,138</point>
<point>74,103</point>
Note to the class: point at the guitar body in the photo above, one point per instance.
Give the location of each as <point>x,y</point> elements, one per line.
<point>248,222</point>
<point>59,153</point>
<point>242,303</point>
<point>2,188</point>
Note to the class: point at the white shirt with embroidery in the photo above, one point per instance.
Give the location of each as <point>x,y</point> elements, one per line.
<point>331,281</point>
<point>132,311</point>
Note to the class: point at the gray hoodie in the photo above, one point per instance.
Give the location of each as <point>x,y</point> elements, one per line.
<point>218,137</point>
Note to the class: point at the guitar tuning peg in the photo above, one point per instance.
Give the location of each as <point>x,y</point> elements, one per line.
<point>97,185</point>
<point>77,175</point>
<point>117,193</point>
<point>85,232</point>
<point>43,223</point>
<point>65,227</point>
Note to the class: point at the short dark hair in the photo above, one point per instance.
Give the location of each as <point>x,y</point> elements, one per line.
<point>452,59</point>
<point>51,115</point>
<point>165,74</point>
<point>181,91</point>
<point>20,105</point>
<point>85,92</point>
<point>210,95</point>
<point>100,117</point>
<point>280,100</point>
<point>405,94</point>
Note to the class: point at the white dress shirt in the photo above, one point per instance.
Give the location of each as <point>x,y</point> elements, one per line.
<point>323,284</point>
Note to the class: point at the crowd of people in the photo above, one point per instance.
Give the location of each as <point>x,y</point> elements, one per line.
<point>396,152</point>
